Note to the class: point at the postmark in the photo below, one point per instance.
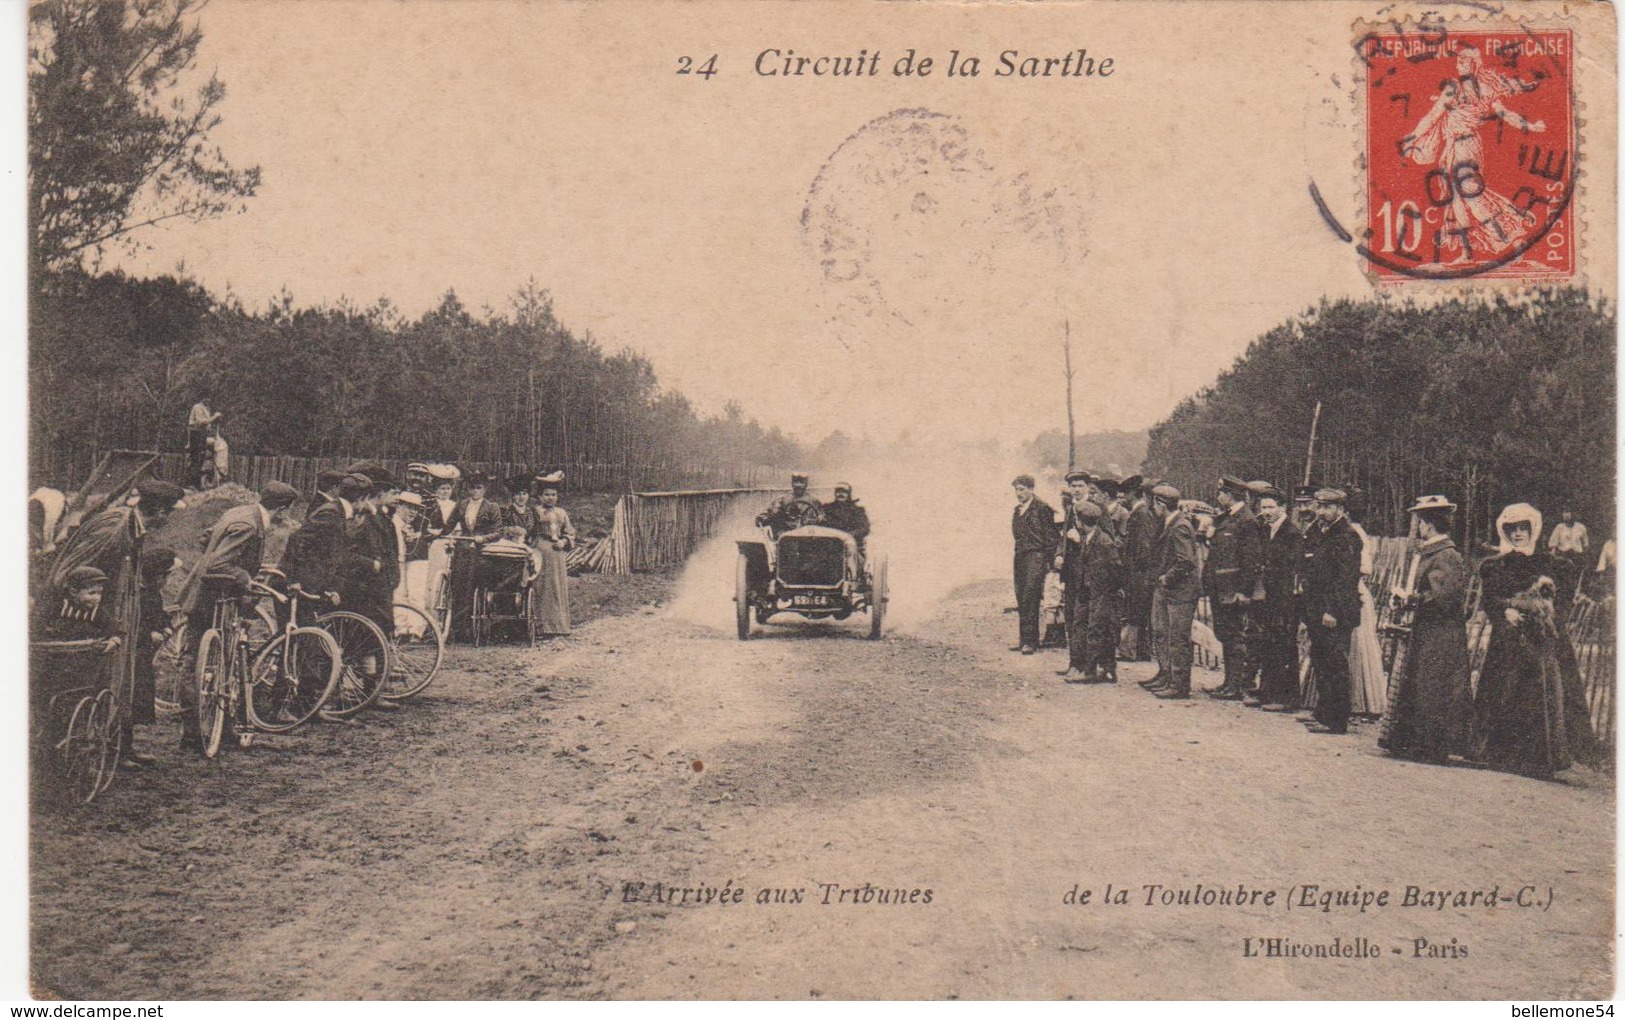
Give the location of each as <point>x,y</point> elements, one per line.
<point>1471,153</point>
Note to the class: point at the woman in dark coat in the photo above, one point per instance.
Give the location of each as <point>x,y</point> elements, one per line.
<point>1529,715</point>
<point>1430,697</point>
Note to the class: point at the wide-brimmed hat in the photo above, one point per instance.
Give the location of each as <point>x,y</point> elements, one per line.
<point>1430,503</point>
<point>443,472</point>
<point>409,499</point>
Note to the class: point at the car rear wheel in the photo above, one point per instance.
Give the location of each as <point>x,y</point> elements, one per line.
<point>742,597</point>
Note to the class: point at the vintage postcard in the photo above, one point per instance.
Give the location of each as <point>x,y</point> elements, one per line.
<point>763,500</point>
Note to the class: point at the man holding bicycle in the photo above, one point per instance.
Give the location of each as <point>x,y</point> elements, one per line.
<point>234,547</point>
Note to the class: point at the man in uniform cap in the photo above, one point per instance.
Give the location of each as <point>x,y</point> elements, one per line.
<point>1232,579</point>
<point>1329,582</point>
<point>1173,605</point>
<point>1032,524</point>
<point>1303,507</point>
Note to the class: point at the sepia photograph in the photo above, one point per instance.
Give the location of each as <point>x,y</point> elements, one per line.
<point>725,500</point>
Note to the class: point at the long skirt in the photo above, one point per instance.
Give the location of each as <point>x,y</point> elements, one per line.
<point>1432,698</point>
<point>1521,719</point>
<point>1368,684</point>
<point>552,605</point>
<point>413,591</point>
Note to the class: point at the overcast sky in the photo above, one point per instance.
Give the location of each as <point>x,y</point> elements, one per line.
<point>800,244</point>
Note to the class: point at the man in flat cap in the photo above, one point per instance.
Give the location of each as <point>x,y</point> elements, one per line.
<point>235,544</point>
<point>1232,581</point>
<point>1173,605</point>
<point>1329,580</point>
<point>1140,532</point>
<point>1032,524</point>
<point>378,545</point>
<point>1069,563</point>
<point>1092,570</point>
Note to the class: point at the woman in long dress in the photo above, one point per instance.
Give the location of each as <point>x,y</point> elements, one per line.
<point>1529,714</point>
<point>1431,696</point>
<point>554,540</point>
<point>1368,685</point>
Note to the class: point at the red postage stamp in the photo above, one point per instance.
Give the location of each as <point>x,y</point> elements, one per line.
<point>1471,156</point>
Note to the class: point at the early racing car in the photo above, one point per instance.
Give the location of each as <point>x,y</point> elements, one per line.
<point>808,569</point>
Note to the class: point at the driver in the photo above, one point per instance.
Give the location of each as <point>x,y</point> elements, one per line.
<point>790,512</point>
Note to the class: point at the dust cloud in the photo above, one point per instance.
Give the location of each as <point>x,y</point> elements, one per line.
<point>941,517</point>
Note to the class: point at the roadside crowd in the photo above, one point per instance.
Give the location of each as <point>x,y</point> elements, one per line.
<point>366,542</point>
<point>1136,559</point>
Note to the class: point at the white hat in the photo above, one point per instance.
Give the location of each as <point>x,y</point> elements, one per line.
<point>442,472</point>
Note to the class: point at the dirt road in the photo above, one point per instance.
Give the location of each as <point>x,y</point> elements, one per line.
<point>931,800</point>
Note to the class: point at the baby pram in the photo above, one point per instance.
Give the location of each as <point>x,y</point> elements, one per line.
<point>504,589</point>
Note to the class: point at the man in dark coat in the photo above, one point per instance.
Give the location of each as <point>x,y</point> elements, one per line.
<point>1140,543</point>
<point>1329,576</point>
<point>844,513</point>
<point>1276,617</point>
<point>1032,524</point>
<point>319,556</point>
<point>1096,572</point>
<point>1178,576</point>
<point>1069,562</point>
<point>1232,580</point>
<point>376,541</point>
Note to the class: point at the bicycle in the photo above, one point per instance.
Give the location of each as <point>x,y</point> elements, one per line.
<point>289,677</point>
<point>366,656</point>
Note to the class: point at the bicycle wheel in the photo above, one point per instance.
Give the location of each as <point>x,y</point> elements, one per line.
<point>212,674</point>
<point>111,737</point>
<point>419,649</point>
<point>79,752</point>
<point>366,661</point>
<point>291,679</point>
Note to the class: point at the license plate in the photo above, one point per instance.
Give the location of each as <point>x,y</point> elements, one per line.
<point>812,600</point>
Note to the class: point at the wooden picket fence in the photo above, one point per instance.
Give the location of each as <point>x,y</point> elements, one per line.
<point>580,475</point>
<point>659,530</point>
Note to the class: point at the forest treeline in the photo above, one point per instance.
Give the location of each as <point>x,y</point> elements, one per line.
<point>116,362</point>
<point>1487,401</point>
